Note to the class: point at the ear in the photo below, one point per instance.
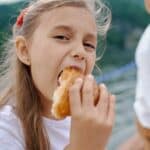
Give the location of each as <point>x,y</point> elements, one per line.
<point>22,50</point>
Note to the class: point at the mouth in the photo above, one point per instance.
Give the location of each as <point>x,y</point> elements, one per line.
<point>59,78</point>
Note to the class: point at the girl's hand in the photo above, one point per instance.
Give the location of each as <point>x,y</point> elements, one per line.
<point>91,125</point>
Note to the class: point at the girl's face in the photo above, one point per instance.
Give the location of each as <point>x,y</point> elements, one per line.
<point>65,36</point>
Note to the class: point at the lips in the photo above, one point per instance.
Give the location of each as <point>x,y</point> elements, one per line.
<point>58,78</point>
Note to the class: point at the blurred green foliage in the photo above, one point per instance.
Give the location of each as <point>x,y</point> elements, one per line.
<point>8,14</point>
<point>129,20</point>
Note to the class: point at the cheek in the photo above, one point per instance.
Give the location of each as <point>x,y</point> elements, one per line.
<point>90,63</point>
<point>44,67</point>
<point>42,76</point>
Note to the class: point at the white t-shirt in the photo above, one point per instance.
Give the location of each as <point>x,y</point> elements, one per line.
<point>11,135</point>
<point>142,103</point>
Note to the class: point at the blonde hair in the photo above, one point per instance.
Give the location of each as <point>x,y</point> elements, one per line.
<point>17,88</point>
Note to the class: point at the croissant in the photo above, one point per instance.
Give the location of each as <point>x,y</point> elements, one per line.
<point>60,106</point>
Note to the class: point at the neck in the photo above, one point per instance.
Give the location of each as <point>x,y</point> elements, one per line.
<point>46,111</point>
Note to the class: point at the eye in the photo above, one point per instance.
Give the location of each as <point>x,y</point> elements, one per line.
<point>89,45</point>
<point>61,37</point>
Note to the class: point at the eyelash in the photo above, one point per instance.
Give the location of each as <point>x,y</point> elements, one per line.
<point>90,45</point>
<point>62,37</point>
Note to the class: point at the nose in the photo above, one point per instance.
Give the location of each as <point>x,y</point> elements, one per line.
<point>79,54</point>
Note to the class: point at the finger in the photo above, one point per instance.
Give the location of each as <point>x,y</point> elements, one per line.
<point>87,92</point>
<point>75,97</point>
<point>111,111</point>
<point>103,102</point>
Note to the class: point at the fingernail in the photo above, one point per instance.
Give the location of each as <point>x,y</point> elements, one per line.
<point>79,80</point>
<point>90,76</point>
<point>103,85</point>
<point>114,97</point>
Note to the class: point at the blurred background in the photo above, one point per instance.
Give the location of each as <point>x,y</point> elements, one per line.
<point>118,70</point>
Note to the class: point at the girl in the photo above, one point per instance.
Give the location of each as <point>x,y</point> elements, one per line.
<point>48,36</point>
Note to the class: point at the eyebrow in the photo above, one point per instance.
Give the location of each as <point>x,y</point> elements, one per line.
<point>70,29</point>
<point>64,27</point>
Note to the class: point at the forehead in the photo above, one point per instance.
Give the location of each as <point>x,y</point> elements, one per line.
<point>78,18</point>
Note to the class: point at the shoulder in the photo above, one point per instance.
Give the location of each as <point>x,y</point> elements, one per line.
<point>143,48</point>
<point>145,38</point>
<point>8,115</point>
<point>148,29</point>
<point>10,128</point>
<point>146,33</point>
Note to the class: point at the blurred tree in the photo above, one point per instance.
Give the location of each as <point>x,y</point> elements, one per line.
<point>8,14</point>
<point>128,18</point>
